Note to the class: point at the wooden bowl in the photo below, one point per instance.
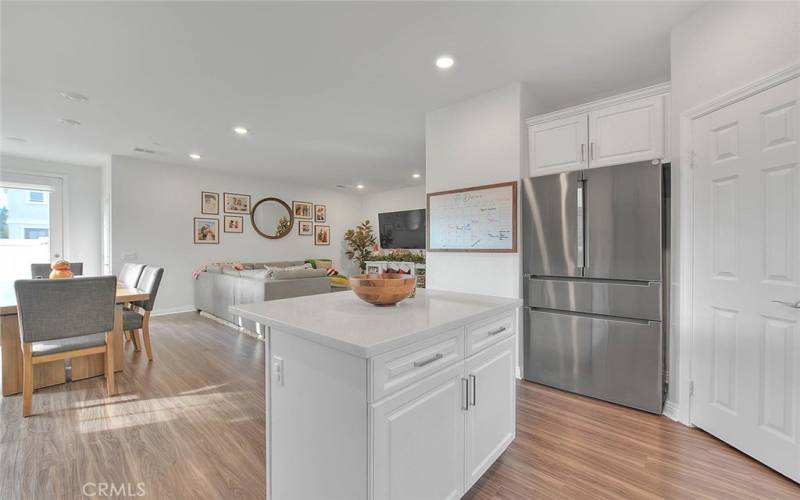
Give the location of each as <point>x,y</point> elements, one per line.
<point>385,289</point>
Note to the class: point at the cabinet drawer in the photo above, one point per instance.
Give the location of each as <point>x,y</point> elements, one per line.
<point>396,369</point>
<point>488,332</point>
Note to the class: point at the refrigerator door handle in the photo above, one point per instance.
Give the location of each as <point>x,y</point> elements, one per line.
<point>581,254</point>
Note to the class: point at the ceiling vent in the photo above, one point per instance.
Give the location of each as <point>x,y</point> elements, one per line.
<point>144,150</point>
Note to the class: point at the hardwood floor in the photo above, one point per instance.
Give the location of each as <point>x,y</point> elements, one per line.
<point>189,425</point>
<point>192,425</point>
<point>569,446</point>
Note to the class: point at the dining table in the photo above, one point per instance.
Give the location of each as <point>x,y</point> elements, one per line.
<point>55,372</point>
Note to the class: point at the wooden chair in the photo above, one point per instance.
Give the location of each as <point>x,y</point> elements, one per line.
<point>138,318</point>
<point>66,318</point>
<point>43,270</point>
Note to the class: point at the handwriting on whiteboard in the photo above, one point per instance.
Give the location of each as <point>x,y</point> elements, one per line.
<point>473,220</point>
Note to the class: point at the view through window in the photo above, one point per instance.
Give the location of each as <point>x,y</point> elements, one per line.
<point>24,231</point>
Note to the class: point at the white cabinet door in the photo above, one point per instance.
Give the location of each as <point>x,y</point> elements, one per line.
<point>418,439</point>
<point>746,297</point>
<point>625,133</point>
<point>492,400</point>
<point>558,145</point>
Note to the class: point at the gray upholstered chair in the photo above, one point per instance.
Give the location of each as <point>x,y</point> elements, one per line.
<point>43,270</point>
<point>61,319</point>
<point>130,273</point>
<point>138,318</point>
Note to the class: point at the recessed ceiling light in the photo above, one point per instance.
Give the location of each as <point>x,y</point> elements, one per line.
<point>16,139</point>
<point>360,186</point>
<point>74,97</point>
<point>240,130</point>
<point>445,62</point>
<point>416,176</point>
<point>69,121</point>
<point>194,156</point>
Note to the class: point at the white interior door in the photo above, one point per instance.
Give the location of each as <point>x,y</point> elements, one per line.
<point>746,353</point>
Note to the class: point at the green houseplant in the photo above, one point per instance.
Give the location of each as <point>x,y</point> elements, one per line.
<point>360,242</point>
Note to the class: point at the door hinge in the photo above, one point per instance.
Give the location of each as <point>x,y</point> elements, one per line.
<point>691,389</point>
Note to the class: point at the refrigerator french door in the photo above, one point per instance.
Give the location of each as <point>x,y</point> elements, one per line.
<point>593,243</point>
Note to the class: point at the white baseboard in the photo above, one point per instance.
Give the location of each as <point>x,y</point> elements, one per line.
<point>173,310</point>
<point>671,410</point>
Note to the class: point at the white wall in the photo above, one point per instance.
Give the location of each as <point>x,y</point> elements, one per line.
<point>82,233</point>
<point>392,201</point>
<point>152,206</point>
<point>471,143</point>
<point>718,49</point>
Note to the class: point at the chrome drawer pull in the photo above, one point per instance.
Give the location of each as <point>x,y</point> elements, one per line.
<point>464,394</point>
<point>499,330</point>
<point>435,357</point>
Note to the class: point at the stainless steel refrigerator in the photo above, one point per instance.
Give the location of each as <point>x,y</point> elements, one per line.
<point>594,244</point>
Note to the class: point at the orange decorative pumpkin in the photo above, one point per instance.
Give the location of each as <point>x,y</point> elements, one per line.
<point>60,269</point>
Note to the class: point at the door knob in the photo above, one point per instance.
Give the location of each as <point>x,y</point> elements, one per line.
<point>793,305</point>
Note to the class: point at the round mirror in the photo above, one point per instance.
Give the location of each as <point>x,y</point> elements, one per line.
<point>272,218</point>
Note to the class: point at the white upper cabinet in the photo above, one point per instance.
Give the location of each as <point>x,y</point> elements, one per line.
<point>620,129</point>
<point>559,145</point>
<point>626,133</point>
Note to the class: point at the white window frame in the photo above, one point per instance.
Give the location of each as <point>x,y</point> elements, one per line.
<point>57,185</point>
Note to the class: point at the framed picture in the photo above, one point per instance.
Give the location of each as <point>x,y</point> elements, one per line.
<point>305,228</point>
<point>209,203</point>
<point>302,209</point>
<point>235,203</point>
<point>322,235</point>
<point>206,230</point>
<point>233,224</point>
<point>320,213</point>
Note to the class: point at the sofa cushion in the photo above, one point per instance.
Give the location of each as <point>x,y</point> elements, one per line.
<point>230,271</point>
<point>289,274</point>
<point>254,274</point>
<point>214,269</point>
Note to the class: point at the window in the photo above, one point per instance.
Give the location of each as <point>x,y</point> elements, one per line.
<point>34,233</point>
<point>36,197</point>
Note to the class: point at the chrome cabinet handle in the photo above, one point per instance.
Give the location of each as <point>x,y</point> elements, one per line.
<point>795,305</point>
<point>591,151</point>
<point>464,394</point>
<point>583,146</point>
<point>474,385</point>
<point>499,330</point>
<point>580,229</point>
<point>435,357</point>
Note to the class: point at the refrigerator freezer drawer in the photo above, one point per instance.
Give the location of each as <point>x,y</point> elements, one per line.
<point>615,360</point>
<point>627,299</point>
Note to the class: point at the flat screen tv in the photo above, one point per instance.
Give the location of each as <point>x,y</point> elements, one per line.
<point>405,229</point>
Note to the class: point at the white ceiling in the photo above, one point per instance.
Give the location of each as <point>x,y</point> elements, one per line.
<point>333,93</point>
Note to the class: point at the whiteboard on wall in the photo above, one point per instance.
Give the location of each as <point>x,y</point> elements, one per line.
<point>476,219</point>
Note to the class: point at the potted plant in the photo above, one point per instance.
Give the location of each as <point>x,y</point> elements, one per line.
<point>360,242</point>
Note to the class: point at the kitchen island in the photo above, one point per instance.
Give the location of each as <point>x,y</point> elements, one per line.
<point>415,400</point>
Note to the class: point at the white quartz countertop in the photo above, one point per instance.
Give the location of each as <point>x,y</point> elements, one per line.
<point>343,321</point>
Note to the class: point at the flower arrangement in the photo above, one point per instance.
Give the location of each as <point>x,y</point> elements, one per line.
<point>398,256</point>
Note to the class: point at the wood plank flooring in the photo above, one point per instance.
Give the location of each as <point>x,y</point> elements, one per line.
<point>192,425</point>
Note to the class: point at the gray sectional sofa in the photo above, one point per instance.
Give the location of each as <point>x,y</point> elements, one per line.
<point>220,287</point>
